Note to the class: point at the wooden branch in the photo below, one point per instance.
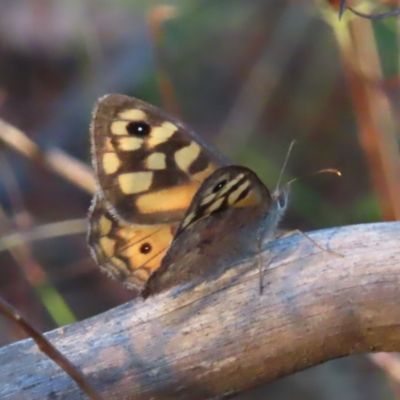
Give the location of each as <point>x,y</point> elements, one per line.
<point>223,337</point>
<point>55,160</point>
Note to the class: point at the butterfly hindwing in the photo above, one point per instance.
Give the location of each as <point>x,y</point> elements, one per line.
<point>128,252</point>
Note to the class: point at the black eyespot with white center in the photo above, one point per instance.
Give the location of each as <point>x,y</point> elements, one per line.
<point>219,186</point>
<point>138,128</point>
<point>145,248</point>
<point>283,199</point>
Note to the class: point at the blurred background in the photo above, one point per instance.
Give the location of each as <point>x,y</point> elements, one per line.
<point>250,76</point>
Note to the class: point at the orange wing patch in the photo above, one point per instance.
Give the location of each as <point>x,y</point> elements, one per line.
<point>129,253</point>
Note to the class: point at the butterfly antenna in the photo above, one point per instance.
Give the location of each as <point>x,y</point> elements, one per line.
<point>321,171</point>
<point>292,143</point>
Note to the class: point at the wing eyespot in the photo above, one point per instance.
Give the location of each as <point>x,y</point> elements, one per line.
<point>219,186</point>
<point>138,128</point>
<point>145,248</point>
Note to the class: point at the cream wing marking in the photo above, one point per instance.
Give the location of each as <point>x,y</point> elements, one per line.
<point>161,134</point>
<point>185,157</point>
<point>129,143</point>
<point>156,161</point>
<point>135,182</point>
<point>111,163</point>
<point>133,115</point>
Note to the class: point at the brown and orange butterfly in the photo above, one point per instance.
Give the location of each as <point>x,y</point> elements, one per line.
<point>150,170</point>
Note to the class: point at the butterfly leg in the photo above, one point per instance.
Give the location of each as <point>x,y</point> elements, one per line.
<point>295,231</point>
<point>259,245</point>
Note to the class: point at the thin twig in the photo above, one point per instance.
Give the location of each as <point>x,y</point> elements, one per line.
<point>54,159</point>
<point>42,232</point>
<point>47,348</point>
<point>24,256</point>
<point>377,133</point>
<point>157,16</point>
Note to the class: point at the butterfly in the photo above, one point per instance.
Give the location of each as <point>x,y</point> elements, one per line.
<point>163,192</point>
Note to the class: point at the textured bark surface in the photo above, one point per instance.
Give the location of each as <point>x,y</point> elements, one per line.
<point>223,337</point>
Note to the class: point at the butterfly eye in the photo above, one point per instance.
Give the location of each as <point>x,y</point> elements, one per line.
<point>219,186</point>
<point>283,199</point>
<point>145,248</point>
<point>138,128</point>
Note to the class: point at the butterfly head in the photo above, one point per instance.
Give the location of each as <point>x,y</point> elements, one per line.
<point>279,204</point>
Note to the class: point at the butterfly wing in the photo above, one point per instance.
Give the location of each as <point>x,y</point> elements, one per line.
<point>226,218</point>
<point>148,167</point>
<point>127,252</point>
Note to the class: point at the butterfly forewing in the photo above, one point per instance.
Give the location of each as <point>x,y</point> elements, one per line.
<point>148,165</point>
